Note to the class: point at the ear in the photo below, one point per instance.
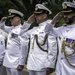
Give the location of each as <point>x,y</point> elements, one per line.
<point>45,16</point>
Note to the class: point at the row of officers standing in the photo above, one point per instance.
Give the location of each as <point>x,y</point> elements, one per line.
<point>44,47</point>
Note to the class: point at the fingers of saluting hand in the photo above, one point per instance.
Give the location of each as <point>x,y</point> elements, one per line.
<point>56,18</point>
<point>3,19</point>
<point>31,19</point>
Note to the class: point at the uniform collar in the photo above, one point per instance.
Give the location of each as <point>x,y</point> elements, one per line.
<point>44,23</point>
<point>70,26</point>
<point>17,26</point>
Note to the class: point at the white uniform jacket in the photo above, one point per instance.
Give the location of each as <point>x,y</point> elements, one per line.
<point>15,54</point>
<point>43,55</point>
<point>2,48</point>
<point>66,54</point>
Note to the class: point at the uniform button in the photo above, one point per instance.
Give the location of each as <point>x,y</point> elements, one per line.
<point>61,58</point>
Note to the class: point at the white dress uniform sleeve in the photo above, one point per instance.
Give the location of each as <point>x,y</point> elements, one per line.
<point>24,40</point>
<point>24,43</point>
<point>7,29</point>
<point>25,27</point>
<point>52,51</point>
<point>58,31</point>
<point>49,27</point>
<point>2,25</point>
<point>26,24</point>
<point>2,48</point>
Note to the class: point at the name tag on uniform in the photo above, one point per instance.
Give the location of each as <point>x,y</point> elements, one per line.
<point>13,35</point>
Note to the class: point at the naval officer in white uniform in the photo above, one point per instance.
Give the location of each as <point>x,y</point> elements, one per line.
<point>2,52</point>
<point>66,40</point>
<point>14,59</point>
<point>42,47</point>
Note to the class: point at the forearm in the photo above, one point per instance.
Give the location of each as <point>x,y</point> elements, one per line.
<point>25,27</point>
<point>2,24</point>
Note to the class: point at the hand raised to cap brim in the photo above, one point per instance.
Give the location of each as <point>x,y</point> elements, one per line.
<point>56,18</point>
<point>3,19</point>
<point>31,19</point>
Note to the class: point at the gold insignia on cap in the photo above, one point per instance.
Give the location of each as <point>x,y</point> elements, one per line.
<point>10,16</point>
<point>36,8</point>
<point>9,13</point>
<point>64,6</point>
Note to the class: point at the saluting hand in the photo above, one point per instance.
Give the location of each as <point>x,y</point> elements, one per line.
<point>3,19</point>
<point>56,18</point>
<point>31,19</point>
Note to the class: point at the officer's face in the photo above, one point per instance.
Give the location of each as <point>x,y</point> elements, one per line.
<point>40,17</point>
<point>69,18</point>
<point>15,21</point>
